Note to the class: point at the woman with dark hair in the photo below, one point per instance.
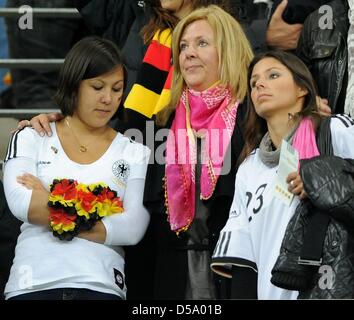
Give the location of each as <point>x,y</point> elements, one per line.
<point>84,183</point>
<point>282,113</point>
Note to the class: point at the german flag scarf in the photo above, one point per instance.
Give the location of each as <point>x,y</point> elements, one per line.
<point>151,91</point>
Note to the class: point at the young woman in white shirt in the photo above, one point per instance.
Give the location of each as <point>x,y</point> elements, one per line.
<point>282,106</point>
<point>84,148</point>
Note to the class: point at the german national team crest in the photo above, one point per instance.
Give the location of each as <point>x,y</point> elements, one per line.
<point>121,170</point>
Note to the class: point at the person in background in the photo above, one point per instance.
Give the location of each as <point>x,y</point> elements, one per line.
<point>282,106</point>
<point>194,183</point>
<point>276,24</point>
<point>110,171</point>
<point>286,22</point>
<point>326,48</point>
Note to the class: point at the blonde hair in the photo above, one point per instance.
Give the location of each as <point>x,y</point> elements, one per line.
<point>233,48</point>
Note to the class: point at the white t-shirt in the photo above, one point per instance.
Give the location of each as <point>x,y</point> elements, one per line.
<point>44,262</point>
<point>257,222</point>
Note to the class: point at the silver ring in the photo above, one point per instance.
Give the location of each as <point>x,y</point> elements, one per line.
<point>292,183</point>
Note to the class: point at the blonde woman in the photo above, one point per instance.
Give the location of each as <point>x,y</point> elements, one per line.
<point>211,57</point>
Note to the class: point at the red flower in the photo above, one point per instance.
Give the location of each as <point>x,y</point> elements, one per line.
<point>117,202</point>
<point>105,194</point>
<point>86,199</point>
<point>65,188</point>
<point>58,216</point>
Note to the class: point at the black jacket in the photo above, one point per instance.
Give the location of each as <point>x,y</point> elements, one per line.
<point>325,53</point>
<point>297,10</point>
<point>329,183</point>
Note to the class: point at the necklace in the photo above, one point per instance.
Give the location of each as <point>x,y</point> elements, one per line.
<point>82,147</point>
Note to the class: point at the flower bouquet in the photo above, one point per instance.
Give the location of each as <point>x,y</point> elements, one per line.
<point>76,207</point>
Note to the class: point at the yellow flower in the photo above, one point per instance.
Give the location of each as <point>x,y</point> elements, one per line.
<point>82,187</point>
<point>81,211</point>
<point>60,199</point>
<point>60,228</point>
<point>93,186</point>
<point>107,208</point>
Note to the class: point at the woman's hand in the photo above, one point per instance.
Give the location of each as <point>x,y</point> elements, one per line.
<point>295,185</point>
<point>41,122</point>
<point>30,182</point>
<point>323,107</point>
<point>38,212</point>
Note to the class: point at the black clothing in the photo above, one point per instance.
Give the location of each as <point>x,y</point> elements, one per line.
<point>338,246</point>
<point>325,52</point>
<point>322,228</point>
<point>66,294</point>
<point>253,18</point>
<point>298,10</point>
<point>244,283</point>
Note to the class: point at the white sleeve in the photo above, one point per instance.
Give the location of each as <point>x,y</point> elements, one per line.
<point>342,131</point>
<point>129,227</point>
<point>234,246</point>
<point>139,156</point>
<point>22,144</point>
<point>20,158</point>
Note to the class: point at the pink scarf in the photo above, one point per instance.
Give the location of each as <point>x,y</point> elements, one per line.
<point>211,115</point>
<point>305,140</point>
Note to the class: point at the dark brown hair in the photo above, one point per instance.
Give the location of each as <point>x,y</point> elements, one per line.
<point>163,19</point>
<point>89,58</point>
<point>255,126</point>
